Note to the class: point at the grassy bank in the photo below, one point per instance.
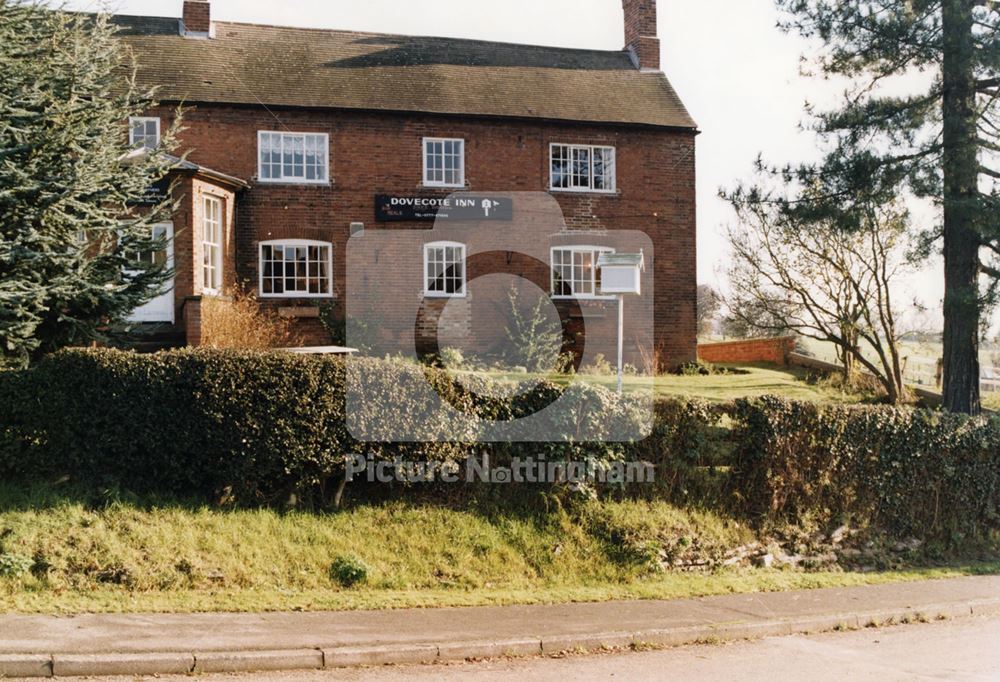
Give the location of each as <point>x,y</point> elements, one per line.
<point>67,556</point>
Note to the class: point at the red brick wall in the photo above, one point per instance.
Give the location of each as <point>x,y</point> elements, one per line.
<point>774,350</point>
<point>183,248</point>
<point>192,320</point>
<point>381,153</point>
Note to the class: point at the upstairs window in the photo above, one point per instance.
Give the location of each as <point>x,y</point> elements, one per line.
<point>582,168</point>
<point>296,268</point>
<point>293,157</point>
<point>144,132</point>
<point>444,162</point>
<point>574,271</point>
<point>444,269</point>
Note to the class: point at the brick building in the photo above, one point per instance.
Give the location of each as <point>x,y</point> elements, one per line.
<point>295,139</point>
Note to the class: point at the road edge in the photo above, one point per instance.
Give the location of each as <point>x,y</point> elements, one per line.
<point>57,664</point>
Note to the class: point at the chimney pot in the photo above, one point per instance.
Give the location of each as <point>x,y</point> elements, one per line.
<point>640,33</point>
<point>197,21</point>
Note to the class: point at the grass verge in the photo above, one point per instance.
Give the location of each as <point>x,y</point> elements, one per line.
<point>70,556</point>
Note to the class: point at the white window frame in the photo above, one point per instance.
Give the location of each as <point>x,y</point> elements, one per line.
<point>324,143</point>
<point>295,243</point>
<point>144,120</point>
<point>215,267</point>
<point>427,274</point>
<point>578,248</point>
<point>461,166</point>
<point>590,148</point>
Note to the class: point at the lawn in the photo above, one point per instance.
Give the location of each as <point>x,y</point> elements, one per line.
<point>794,383</point>
<point>754,380</point>
<point>76,556</point>
<point>746,381</point>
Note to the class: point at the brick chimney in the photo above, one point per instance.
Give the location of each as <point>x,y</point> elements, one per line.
<point>197,21</point>
<point>640,33</point>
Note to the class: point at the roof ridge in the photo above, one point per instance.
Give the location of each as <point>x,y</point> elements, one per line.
<point>377,34</point>
<point>359,70</point>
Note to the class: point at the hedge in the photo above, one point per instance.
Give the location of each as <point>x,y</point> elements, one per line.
<point>258,427</point>
<point>255,427</point>
<point>195,424</point>
<point>912,473</point>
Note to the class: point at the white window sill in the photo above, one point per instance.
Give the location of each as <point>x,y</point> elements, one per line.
<point>602,192</point>
<point>588,297</point>
<point>293,296</point>
<point>438,294</point>
<point>310,183</point>
<point>436,186</point>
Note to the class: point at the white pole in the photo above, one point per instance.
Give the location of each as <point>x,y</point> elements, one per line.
<point>621,338</point>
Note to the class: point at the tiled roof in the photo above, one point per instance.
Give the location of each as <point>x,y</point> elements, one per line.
<point>251,64</point>
<point>176,163</point>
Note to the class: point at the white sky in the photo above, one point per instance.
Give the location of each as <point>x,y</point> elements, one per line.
<point>737,74</point>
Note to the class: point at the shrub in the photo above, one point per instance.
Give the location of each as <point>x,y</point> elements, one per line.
<point>534,340</point>
<point>452,358</point>
<point>14,565</point>
<point>360,331</point>
<point>255,428</point>
<point>600,366</point>
<point>348,571</point>
<point>241,323</point>
<point>692,369</point>
<point>913,473</point>
<point>705,369</point>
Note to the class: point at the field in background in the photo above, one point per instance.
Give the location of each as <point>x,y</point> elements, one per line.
<point>921,360</point>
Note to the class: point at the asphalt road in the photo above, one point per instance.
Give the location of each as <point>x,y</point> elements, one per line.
<point>966,649</point>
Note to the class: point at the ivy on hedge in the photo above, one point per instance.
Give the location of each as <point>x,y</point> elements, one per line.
<point>913,473</point>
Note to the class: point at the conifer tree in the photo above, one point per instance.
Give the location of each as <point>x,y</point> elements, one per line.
<point>72,192</point>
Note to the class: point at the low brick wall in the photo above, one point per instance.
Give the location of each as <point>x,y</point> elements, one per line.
<point>774,350</point>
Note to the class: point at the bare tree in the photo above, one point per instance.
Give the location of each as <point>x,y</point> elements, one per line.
<point>747,319</point>
<point>822,282</point>
<point>709,305</point>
